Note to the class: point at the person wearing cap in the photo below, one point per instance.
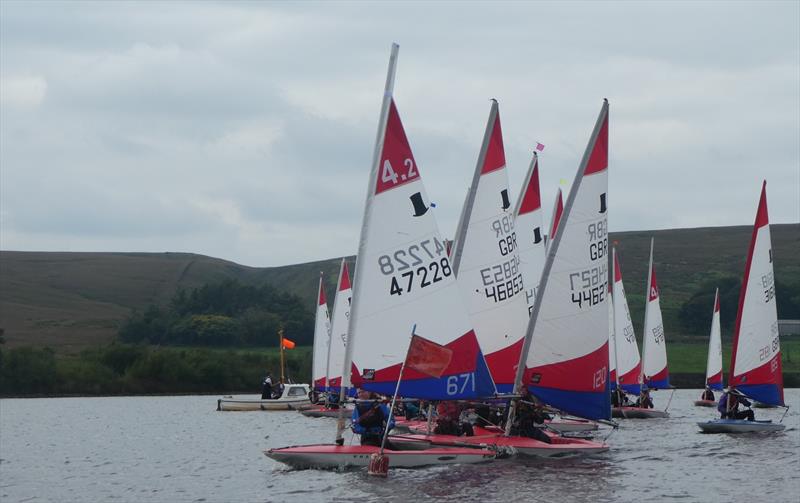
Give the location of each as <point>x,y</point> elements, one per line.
<point>729,406</point>
<point>708,395</point>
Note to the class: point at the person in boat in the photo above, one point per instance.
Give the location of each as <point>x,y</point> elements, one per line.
<point>333,400</point>
<point>279,389</point>
<point>448,420</point>
<point>266,387</point>
<point>529,417</point>
<point>708,395</point>
<point>644,401</point>
<point>619,398</point>
<point>411,410</point>
<point>729,406</point>
<point>370,418</point>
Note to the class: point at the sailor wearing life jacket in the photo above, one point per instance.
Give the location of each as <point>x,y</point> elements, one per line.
<point>369,418</point>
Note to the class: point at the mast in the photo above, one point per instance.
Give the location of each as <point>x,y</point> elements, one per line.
<point>458,245</point>
<point>612,280</point>
<point>548,265</point>
<point>280,335</point>
<point>646,310</point>
<point>348,354</point>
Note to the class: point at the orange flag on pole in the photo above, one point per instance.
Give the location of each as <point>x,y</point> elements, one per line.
<point>287,344</point>
<point>428,357</point>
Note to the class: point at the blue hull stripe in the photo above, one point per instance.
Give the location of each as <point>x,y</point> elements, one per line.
<point>661,384</point>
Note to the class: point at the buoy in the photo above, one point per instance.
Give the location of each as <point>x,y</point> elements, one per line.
<point>378,465</point>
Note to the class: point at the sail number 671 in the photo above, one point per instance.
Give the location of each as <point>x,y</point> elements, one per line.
<point>457,384</point>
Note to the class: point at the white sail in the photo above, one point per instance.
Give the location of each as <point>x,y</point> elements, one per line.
<point>319,365</point>
<point>486,261</point>
<point>654,353</point>
<point>627,349</point>
<point>404,279</point>
<point>340,322</point>
<point>714,363</point>
<point>612,346</point>
<point>565,356</point>
<point>530,233</point>
<point>756,359</point>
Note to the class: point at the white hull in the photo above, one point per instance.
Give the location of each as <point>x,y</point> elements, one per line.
<point>570,425</point>
<point>739,426</point>
<point>638,413</point>
<point>341,457</point>
<point>705,403</point>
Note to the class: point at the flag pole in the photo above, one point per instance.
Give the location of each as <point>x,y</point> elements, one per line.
<point>280,334</point>
<point>396,390</point>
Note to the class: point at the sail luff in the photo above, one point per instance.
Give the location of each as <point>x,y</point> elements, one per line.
<point>373,176</point>
<point>612,280</point>
<point>458,244</point>
<point>645,336</point>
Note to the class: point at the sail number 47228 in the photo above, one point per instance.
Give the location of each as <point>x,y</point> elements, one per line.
<point>416,266</point>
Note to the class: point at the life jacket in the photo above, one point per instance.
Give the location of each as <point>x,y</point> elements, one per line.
<point>370,415</point>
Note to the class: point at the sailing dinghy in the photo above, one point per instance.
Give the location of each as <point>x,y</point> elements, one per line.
<point>336,347</point>
<point>529,232</point>
<point>714,362</point>
<point>403,278</point>
<point>756,358</point>
<point>564,360</point>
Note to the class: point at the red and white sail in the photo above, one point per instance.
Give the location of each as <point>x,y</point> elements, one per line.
<point>319,362</point>
<point>756,360</point>
<point>565,355</point>
<point>530,233</point>
<point>340,322</point>
<point>486,260</point>
<point>655,373</point>
<point>555,216</point>
<point>714,363</point>
<point>627,349</point>
<point>404,278</point>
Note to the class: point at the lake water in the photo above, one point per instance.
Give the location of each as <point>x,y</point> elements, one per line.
<point>175,449</point>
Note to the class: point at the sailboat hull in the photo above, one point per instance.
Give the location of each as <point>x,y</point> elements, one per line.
<point>557,448</point>
<point>705,403</point>
<point>638,413</point>
<point>327,456</point>
<point>322,411</point>
<point>739,426</point>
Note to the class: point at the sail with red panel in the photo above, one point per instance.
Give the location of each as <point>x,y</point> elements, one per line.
<point>530,233</point>
<point>486,260</point>
<point>612,347</point>
<point>655,373</point>
<point>558,209</point>
<point>565,355</point>
<point>714,362</point>
<point>629,366</point>
<point>340,321</point>
<point>756,359</point>
<point>319,361</point>
<point>403,278</point>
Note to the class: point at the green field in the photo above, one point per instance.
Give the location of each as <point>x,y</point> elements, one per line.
<point>685,357</point>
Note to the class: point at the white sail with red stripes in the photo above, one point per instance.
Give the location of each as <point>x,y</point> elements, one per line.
<point>714,363</point>
<point>404,278</point>
<point>319,361</point>
<point>530,233</point>
<point>486,260</point>
<point>627,349</point>
<point>340,322</point>
<point>756,368</point>
<point>612,347</point>
<point>555,216</point>
<point>655,374</point>
<point>565,355</point>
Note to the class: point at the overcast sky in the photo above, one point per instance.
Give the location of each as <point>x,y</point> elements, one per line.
<point>245,131</point>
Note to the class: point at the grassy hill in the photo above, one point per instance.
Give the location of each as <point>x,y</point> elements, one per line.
<point>70,301</point>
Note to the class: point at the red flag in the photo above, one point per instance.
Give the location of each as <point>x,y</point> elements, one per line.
<point>539,147</point>
<point>287,344</point>
<point>428,357</point>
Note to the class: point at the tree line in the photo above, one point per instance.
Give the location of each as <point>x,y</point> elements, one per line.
<point>226,314</point>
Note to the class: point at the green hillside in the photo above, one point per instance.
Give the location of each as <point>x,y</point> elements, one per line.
<point>71,301</point>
